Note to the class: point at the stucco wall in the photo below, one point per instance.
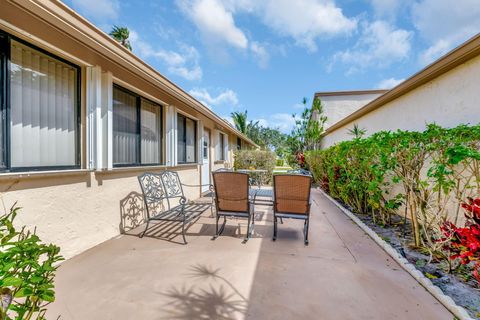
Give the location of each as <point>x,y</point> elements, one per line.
<point>449,100</point>
<point>79,211</point>
<point>338,107</point>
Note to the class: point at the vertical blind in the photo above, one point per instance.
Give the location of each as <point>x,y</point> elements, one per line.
<point>137,129</point>
<point>43,109</point>
<point>151,132</point>
<point>190,139</point>
<point>186,139</point>
<point>125,130</point>
<point>181,144</point>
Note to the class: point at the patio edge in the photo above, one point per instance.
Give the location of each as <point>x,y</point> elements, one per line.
<point>444,299</point>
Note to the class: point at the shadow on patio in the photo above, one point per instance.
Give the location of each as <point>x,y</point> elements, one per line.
<point>342,274</point>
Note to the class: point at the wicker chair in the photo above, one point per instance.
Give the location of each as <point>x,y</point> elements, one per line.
<point>232,199</point>
<point>292,200</point>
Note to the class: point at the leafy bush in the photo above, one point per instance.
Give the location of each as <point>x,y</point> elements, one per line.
<point>256,160</point>
<point>464,243</point>
<point>422,175</point>
<point>28,268</point>
<point>280,162</point>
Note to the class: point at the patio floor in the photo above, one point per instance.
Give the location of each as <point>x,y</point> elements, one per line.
<point>342,274</point>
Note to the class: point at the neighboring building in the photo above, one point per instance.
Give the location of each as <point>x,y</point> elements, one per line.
<point>83,117</point>
<point>339,104</point>
<point>447,92</point>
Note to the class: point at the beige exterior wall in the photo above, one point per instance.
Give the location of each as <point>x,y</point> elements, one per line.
<point>338,107</point>
<point>448,100</point>
<point>79,209</point>
<point>83,209</point>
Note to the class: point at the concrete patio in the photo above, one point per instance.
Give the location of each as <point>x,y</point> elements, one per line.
<point>342,274</point>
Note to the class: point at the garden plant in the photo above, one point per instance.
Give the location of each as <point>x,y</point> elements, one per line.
<point>27,271</point>
<point>422,177</point>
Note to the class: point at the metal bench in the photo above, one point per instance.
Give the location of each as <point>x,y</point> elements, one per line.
<point>164,199</point>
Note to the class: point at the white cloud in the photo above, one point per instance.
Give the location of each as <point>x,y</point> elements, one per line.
<point>98,10</point>
<point>445,25</point>
<point>260,53</point>
<point>389,83</point>
<point>303,20</point>
<point>184,63</point>
<point>306,20</point>
<point>435,51</point>
<point>281,121</point>
<point>214,21</point>
<point>379,45</point>
<point>225,97</point>
<point>386,9</point>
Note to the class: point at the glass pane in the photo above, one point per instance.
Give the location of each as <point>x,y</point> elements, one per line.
<point>151,132</point>
<point>191,141</point>
<point>43,109</point>
<point>221,154</point>
<point>181,139</point>
<point>3,61</point>
<point>125,130</point>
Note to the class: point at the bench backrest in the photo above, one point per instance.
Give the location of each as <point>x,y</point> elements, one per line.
<point>157,187</point>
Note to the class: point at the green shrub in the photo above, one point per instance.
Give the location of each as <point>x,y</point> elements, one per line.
<point>28,269</point>
<point>256,160</point>
<point>416,174</point>
<point>280,162</point>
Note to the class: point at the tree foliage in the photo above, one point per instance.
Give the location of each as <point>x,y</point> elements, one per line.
<point>28,267</point>
<point>121,35</point>
<point>416,174</point>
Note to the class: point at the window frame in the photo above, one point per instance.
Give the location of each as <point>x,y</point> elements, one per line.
<point>138,107</point>
<point>221,137</point>
<point>5,105</point>
<point>185,117</point>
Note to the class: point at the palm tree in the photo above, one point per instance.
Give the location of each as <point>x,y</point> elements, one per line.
<point>240,121</point>
<point>357,132</point>
<point>121,34</point>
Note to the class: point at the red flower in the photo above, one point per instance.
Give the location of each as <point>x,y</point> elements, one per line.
<point>464,243</point>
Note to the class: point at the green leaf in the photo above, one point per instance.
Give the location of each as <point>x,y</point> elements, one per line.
<point>11,282</point>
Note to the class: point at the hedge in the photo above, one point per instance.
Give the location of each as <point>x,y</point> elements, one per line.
<point>422,175</point>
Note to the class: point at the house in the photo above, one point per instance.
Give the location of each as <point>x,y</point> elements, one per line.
<point>339,104</point>
<point>445,92</point>
<point>82,117</point>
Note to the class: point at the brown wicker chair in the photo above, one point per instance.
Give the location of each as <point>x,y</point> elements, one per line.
<point>292,200</point>
<point>232,199</point>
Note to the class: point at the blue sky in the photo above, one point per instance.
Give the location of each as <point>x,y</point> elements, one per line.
<point>265,56</point>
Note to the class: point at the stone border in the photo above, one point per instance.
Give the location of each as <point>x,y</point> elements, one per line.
<point>447,301</point>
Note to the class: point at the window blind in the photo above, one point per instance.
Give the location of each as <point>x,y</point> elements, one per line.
<point>43,109</point>
<point>125,129</point>
<point>150,132</point>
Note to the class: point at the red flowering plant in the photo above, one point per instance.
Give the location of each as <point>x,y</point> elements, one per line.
<point>464,243</point>
<point>300,159</point>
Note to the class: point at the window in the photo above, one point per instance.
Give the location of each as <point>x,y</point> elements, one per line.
<point>39,126</point>
<point>239,144</point>
<point>221,147</point>
<point>186,140</point>
<point>137,129</point>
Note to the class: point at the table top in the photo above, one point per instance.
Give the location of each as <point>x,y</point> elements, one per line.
<point>252,170</point>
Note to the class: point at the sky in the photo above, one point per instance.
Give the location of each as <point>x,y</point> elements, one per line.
<point>264,56</point>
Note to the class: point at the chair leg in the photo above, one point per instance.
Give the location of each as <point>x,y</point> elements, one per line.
<point>219,232</point>
<point>144,231</point>
<point>248,231</point>
<point>216,228</point>
<point>274,228</point>
<point>306,225</point>
<point>183,230</point>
